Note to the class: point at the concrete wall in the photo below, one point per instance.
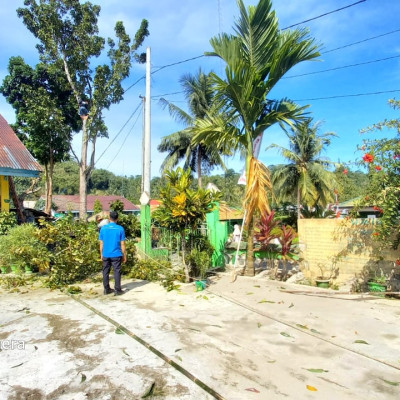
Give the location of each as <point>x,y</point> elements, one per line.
<point>349,241</point>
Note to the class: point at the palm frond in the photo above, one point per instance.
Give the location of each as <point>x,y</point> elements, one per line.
<point>259,186</point>
<point>176,112</point>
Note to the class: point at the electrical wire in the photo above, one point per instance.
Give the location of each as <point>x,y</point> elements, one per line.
<point>361,41</point>
<point>163,67</point>
<point>325,14</point>
<point>126,137</point>
<point>130,117</point>
<point>349,95</point>
<point>176,63</point>
<point>342,67</point>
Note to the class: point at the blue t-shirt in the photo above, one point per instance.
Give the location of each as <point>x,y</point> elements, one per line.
<point>112,235</point>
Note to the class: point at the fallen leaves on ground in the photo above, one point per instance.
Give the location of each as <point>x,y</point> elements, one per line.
<point>312,388</point>
<point>253,390</point>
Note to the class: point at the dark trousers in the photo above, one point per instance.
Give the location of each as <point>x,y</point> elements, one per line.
<point>115,262</point>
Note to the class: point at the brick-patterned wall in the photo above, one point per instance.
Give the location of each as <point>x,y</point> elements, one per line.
<point>351,241</point>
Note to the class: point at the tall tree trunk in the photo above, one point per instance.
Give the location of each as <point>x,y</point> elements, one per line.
<point>183,257</point>
<point>298,202</point>
<point>49,168</point>
<point>249,270</point>
<point>83,172</point>
<point>199,167</point>
<point>19,207</point>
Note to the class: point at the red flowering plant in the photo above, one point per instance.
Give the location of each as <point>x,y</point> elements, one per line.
<point>382,158</point>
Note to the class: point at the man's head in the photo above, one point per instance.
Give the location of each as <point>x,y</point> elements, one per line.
<point>113,215</point>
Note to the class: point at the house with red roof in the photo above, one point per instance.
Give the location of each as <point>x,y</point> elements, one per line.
<point>15,160</point>
<point>70,203</point>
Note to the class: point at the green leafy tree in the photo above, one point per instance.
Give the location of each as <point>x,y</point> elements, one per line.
<point>68,35</point>
<point>182,208</point>
<point>306,177</point>
<point>198,157</point>
<point>382,158</point>
<point>45,113</point>
<point>257,56</point>
<point>97,206</point>
<point>350,184</point>
<point>117,205</point>
<point>66,178</point>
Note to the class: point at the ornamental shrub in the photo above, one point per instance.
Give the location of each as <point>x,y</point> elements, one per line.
<point>7,221</point>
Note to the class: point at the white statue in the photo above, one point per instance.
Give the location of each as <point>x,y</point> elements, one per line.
<point>236,233</point>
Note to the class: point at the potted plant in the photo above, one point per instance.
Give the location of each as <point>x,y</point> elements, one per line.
<point>378,283</point>
<point>199,262</point>
<point>324,280</point>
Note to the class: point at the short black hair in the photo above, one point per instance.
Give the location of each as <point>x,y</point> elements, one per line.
<point>113,215</point>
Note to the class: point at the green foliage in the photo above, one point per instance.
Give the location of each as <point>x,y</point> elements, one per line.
<point>117,205</point>
<point>199,263</point>
<point>12,282</point>
<point>384,179</point>
<point>59,26</point>
<point>7,221</point>
<point>131,224</point>
<point>74,250</point>
<point>198,157</point>
<point>66,178</point>
<point>305,180</point>
<point>157,271</point>
<point>350,184</point>
<point>182,208</point>
<point>97,207</point>
<point>22,246</point>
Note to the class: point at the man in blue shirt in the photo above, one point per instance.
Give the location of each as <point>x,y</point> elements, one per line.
<point>112,253</point>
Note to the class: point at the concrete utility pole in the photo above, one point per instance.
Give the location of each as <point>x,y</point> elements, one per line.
<point>147,128</point>
<point>145,216</point>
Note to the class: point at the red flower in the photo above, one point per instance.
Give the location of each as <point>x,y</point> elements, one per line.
<point>396,156</point>
<point>376,233</point>
<point>338,214</point>
<point>397,262</point>
<point>345,171</point>
<point>378,167</point>
<point>376,208</point>
<point>369,158</point>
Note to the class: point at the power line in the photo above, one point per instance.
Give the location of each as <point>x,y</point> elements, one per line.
<point>325,14</point>
<point>162,67</point>
<point>130,117</point>
<point>361,41</point>
<point>126,137</point>
<point>166,94</point>
<point>342,67</point>
<point>176,63</point>
<point>349,95</point>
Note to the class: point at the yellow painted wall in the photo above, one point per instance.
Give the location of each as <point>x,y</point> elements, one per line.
<point>349,240</point>
<point>4,193</point>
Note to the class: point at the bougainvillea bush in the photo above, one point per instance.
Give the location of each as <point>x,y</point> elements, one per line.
<point>382,158</point>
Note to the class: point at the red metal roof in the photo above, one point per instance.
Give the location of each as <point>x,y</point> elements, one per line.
<point>13,153</point>
<point>71,202</point>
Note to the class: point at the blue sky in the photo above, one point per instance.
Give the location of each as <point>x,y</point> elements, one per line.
<point>180,30</point>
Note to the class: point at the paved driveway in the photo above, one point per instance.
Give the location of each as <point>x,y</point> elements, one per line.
<point>250,339</point>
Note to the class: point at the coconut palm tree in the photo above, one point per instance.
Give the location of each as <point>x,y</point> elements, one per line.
<point>257,56</point>
<point>305,178</point>
<point>198,157</point>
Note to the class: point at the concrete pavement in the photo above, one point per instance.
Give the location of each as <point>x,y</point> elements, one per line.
<point>250,339</point>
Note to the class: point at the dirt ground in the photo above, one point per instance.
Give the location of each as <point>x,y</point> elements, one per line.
<point>250,339</point>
